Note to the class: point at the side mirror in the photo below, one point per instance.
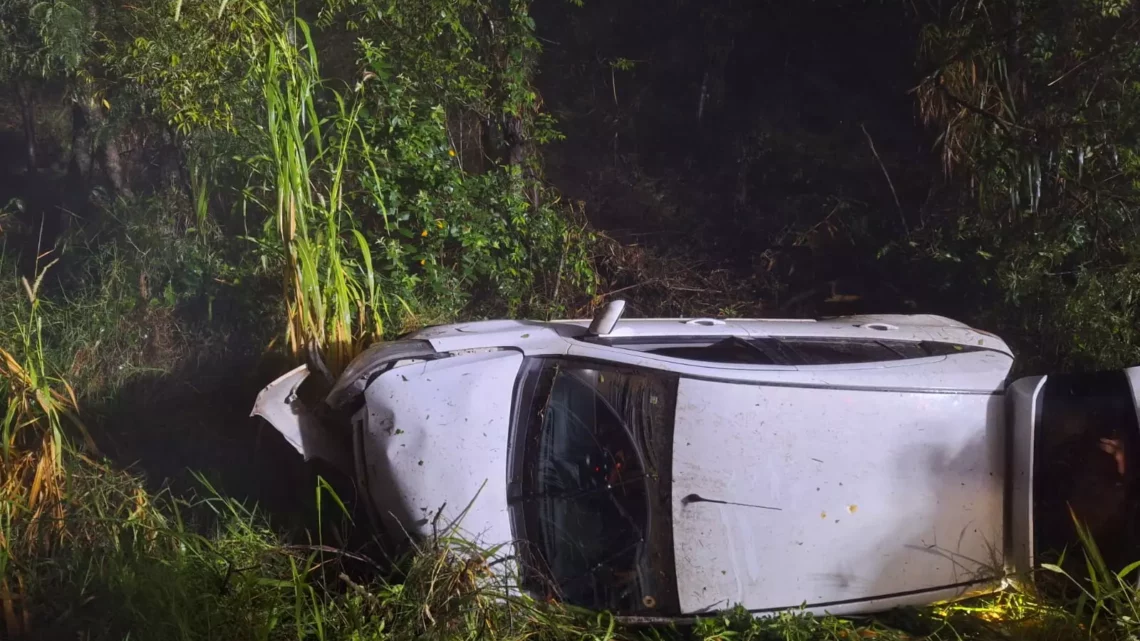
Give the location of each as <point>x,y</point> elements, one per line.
<point>606,318</point>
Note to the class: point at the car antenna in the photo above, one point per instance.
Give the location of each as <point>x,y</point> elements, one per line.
<point>606,318</point>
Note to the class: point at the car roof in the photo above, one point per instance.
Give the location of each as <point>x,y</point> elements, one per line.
<point>907,327</point>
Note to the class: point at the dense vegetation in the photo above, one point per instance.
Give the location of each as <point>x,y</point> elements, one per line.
<point>194,195</point>
<point>964,158</point>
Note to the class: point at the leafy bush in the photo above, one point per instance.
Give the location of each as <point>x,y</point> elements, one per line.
<point>358,183</point>
<point>1037,116</point>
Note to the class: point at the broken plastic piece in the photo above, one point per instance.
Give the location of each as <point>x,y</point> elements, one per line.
<point>278,403</point>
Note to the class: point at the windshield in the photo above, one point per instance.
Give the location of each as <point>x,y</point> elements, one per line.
<point>590,486</point>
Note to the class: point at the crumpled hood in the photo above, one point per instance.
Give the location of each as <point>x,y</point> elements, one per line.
<point>433,447</point>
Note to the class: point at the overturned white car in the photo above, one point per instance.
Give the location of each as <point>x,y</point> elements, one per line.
<point>671,467</point>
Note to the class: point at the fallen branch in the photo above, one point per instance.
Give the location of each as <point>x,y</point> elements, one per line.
<point>628,287</point>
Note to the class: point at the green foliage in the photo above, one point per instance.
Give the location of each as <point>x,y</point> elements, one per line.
<point>192,71</point>
<point>398,189</point>
<point>43,39</point>
<point>1107,599</point>
<point>356,182</point>
<point>790,626</point>
<point>1038,115</point>
<point>333,300</point>
<point>151,566</point>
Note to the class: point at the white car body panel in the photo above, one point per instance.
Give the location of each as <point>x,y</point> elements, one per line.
<point>878,493</point>
<point>433,447</point>
<point>1133,374</point>
<point>534,337</point>
<point>278,404</point>
<point>923,327</point>
<point>888,476</point>
<point>1022,403</point>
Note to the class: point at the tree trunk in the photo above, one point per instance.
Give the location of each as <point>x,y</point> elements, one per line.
<point>82,145</point>
<point>1013,45</point>
<point>113,163</point>
<point>75,198</point>
<point>91,144</point>
<point>514,138</point>
<point>28,115</point>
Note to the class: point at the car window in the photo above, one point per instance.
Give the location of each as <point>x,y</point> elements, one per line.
<point>811,351</point>
<point>945,349</point>
<point>592,512</point>
<point>732,350</point>
<point>786,350</point>
<point>591,474</point>
<point>1086,439</point>
<point>728,350</point>
<point>844,351</point>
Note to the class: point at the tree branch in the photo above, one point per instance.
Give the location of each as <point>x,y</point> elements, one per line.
<point>890,183</point>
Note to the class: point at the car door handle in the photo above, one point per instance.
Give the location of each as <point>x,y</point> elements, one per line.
<point>705,322</point>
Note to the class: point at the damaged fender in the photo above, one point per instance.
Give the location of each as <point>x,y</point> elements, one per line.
<point>304,428</point>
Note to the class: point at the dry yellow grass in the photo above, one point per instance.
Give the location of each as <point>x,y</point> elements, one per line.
<point>36,410</point>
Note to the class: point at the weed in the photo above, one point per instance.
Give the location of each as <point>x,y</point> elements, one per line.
<point>151,566</point>
<point>36,407</point>
<point>333,305</point>
<point>1107,599</point>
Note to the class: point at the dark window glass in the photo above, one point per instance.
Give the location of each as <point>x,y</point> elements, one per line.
<point>590,483</point>
<point>946,349</point>
<point>906,349</point>
<point>729,350</point>
<point>788,350</point>
<point>592,512</point>
<point>839,352</point>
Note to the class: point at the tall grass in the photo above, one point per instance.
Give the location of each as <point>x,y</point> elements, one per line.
<point>1109,600</point>
<point>151,566</point>
<point>86,551</point>
<point>36,408</point>
<point>333,302</point>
